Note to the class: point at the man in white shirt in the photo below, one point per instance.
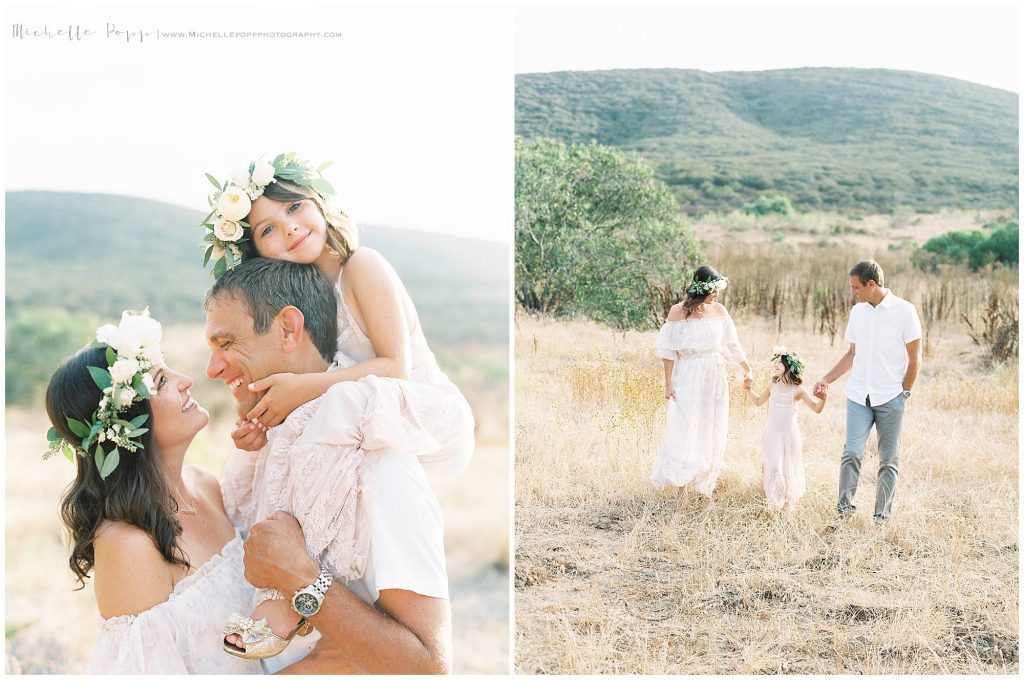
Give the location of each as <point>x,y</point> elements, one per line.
<point>884,333</point>
<point>270,316</point>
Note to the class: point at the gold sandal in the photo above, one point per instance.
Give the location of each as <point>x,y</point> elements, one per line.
<point>260,641</point>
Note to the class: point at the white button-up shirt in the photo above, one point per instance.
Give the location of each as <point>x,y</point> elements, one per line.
<point>881,335</point>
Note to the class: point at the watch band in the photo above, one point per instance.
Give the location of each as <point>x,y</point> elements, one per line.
<point>322,582</point>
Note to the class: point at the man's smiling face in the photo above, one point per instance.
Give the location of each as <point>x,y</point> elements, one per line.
<point>239,355</point>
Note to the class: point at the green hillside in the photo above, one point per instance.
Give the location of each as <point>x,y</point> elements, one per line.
<point>854,140</point>
<point>99,254</point>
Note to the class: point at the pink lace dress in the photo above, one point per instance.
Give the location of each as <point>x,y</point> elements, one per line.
<point>315,465</point>
<point>182,635</point>
<point>782,456</point>
<point>693,454</point>
<point>453,457</point>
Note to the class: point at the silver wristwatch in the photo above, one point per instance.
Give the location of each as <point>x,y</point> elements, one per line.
<point>306,602</point>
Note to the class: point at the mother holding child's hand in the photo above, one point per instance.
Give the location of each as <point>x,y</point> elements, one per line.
<point>694,343</point>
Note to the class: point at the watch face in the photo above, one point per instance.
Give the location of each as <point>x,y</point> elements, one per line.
<point>306,604</point>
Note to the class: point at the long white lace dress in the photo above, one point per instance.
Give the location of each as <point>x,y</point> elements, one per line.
<point>184,634</point>
<point>693,454</point>
<point>455,453</point>
<point>782,449</point>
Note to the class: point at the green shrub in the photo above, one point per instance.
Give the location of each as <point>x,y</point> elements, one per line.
<point>769,204</point>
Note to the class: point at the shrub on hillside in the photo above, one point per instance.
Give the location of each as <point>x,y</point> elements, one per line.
<point>973,249</point>
<point>769,204</point>
<point>595,233</point>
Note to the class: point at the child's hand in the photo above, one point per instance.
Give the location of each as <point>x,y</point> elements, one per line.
<point>748,382</point>
<point>284,394</point>
<point>248,436</point>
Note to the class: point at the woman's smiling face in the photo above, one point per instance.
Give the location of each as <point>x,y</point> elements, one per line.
<point>176,415</point>
<point>295,230</point>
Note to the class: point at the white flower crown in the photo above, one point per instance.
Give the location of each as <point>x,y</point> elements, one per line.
<point>233,199</point>
<point>133,348</point>
<point>705,287</point>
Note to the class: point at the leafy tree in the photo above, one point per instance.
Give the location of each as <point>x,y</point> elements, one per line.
<point>595,233</point>
<point>37,340</point>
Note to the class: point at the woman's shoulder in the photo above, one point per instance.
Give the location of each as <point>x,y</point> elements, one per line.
<point>130,574</point>
<point>718,309</point>
<point>675,313</point>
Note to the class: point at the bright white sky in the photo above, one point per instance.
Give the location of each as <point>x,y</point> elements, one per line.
<point>414,105</point>
<point>977,42</point>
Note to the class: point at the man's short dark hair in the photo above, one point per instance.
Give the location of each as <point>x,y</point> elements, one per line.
<point>868,270</point>
<point>268,286</point>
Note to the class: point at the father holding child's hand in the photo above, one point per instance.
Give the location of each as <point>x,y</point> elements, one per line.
<point>884,333</point>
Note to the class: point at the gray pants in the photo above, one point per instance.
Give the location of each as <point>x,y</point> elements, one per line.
<point>888,420</point>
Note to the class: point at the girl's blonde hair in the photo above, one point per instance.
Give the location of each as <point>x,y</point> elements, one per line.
<point>342,237</point>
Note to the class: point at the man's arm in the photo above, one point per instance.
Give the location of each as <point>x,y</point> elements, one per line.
<point>841,368</point>
<point>913,365</point>
<point>407,633</point>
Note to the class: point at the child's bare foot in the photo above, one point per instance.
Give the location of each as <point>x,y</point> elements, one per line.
<point>280,616</point>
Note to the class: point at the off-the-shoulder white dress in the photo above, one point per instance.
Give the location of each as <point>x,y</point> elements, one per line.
<point>693,454</point>
<point>184,634</point>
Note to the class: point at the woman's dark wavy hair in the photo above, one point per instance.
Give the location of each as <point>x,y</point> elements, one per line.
<point>137,492</point>
<point>341,232</point>
<point>693,300</point>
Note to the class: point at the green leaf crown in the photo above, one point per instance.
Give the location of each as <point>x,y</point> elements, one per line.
<point>133,348</point>
<point>232,200</point>
<point>792,361</point>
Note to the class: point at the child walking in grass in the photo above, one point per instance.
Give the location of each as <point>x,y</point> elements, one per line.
<point>782,455</point>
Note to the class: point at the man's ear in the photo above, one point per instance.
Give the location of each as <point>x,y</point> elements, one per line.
<point>292,327</point>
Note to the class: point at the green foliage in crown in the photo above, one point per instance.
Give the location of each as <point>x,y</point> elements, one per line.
<point>232,200</point>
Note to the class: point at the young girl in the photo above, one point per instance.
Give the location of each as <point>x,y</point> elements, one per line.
<point>280,210</point>
<point>782,459</point>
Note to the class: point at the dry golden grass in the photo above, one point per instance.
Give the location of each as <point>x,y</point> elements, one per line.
<point>614,576</point>
<point>50,628</point>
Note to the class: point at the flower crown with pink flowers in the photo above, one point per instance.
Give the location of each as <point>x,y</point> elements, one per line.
<point>233,199</point>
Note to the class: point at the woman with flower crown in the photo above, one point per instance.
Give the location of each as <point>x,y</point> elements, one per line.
<point>280,210</point>
<point>153,532</point>
<point>695,342</point>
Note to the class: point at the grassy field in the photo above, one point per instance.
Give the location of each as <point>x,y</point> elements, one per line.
<point>613,576</point>
<point>49,627</point>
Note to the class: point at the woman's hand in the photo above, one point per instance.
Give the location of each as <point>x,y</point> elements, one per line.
<point>748,382</point>
<point>670,392</point>
<point>285,392</point>
<point>248,436</point>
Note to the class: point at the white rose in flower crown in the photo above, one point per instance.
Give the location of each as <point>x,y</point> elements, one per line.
<point>227,230</point>
<point>240,178</point>
<point>107,334</point>
<point>263,173</point>
<point>125,397</point>
<point>147,380</point>
<point>124,370</point>
<point>233,204</point>
<point>137,331</point>
<point>779,350</point>
<point>153,355</point>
